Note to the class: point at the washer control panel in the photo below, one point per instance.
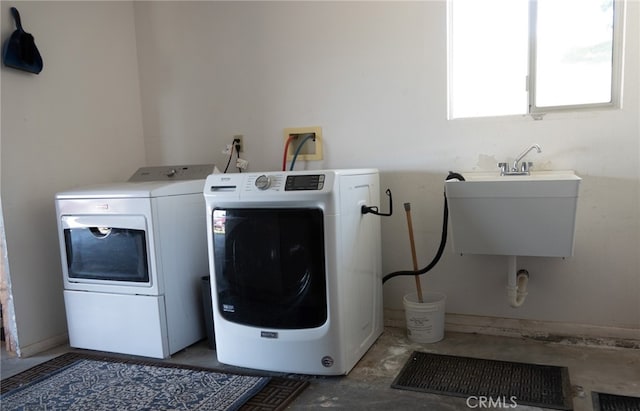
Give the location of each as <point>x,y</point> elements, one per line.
<point>281,182</point>
<point>304,182</point>
<point>265,183</point>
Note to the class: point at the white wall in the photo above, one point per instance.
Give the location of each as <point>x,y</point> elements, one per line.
<point>373,75</point>
<point>77,122</point>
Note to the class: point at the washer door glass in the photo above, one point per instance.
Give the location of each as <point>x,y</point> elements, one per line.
<point>269,267</point>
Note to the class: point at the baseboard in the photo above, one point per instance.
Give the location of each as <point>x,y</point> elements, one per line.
<point>44,345</point>
<point>548,331</point>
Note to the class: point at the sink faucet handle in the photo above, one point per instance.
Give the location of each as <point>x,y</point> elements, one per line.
<point>504,168</point>
<point>525,166</point>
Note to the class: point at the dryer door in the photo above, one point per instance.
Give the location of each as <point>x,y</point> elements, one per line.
<point>105,249</point>
<point>269,267</point>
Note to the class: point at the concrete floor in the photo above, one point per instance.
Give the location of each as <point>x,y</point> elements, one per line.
<point>367,387</point>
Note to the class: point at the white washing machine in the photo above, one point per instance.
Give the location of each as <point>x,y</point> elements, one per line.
<point>133,255</point>
<point>296,268</point>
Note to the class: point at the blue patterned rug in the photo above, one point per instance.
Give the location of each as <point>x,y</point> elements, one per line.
<point>89,384</point>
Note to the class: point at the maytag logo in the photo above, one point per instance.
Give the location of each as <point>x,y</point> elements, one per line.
<point>268,334</point>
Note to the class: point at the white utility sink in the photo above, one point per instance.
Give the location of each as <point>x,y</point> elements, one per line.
<point>517,215</point>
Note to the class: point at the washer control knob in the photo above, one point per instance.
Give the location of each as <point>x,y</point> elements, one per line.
<point>172,172</point>
<point>263,182</point>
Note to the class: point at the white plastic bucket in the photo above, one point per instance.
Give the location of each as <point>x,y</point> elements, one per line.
<point>425,321</point>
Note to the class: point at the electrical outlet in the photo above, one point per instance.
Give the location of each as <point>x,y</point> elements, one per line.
<point>311,149</point>
<point>238,139</point>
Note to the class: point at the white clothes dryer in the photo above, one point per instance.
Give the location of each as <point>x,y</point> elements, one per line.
<point>296,268</point>
<point>133,255</point>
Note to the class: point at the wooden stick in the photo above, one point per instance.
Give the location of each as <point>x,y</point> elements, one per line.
<point>407,209</point>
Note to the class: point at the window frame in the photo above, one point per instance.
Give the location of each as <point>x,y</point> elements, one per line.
<point>616,65</point>
<point>617,68</point>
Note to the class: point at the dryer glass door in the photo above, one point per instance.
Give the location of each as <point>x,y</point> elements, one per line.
<point>106,249</point>
<point>269,267</point>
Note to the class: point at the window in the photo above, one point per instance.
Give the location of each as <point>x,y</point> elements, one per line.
<point>510,57</point>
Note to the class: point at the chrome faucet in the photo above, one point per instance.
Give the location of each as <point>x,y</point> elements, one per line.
<point>518,169</point>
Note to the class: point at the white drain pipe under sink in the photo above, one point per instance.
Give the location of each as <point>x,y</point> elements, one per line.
<point>516,283</point>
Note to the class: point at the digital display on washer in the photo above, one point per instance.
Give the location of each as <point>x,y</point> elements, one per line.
<point>304,182</point>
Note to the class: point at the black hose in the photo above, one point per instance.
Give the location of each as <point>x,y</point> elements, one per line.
<point>443,238</point>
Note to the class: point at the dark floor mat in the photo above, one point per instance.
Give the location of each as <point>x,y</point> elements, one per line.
<point>612,402</point>
<point>275,396</point>
<point>501,383</point>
